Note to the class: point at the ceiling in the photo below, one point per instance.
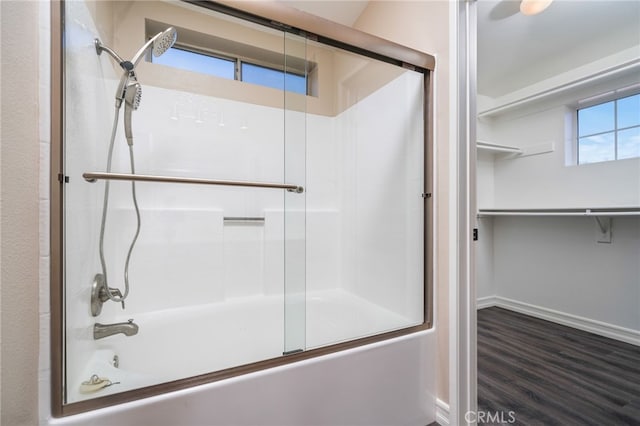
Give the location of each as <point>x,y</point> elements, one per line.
<point>343,12</point>
<point>515,50</point>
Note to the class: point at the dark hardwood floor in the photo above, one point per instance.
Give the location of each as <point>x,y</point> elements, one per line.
<point>549,374</point>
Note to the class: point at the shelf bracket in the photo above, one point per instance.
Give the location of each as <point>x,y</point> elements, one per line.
<point>603,232</point>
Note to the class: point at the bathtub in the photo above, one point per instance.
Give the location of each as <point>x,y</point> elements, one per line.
<point>174,344</point>
<point>385,383</point>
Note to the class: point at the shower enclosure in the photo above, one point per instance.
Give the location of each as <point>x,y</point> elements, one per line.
<point>280,209</point>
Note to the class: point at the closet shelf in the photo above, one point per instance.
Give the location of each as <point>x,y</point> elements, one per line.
<point>558,89</point>
<point>497,148</point>
<point>609,212</point>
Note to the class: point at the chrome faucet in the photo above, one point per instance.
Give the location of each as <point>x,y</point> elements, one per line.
<point>128,328</point>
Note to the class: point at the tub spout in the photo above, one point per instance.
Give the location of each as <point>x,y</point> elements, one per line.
<point>128,328</point>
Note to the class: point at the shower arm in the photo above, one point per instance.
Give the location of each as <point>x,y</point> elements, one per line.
<point>125,65</point>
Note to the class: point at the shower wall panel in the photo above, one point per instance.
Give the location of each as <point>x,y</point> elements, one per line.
<point>381,196</point>
<point>183,134</point>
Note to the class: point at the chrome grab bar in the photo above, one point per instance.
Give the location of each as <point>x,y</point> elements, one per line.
<point>95,176</point>
<point>243,219</point>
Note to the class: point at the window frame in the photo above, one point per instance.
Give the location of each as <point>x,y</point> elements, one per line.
<point>238,60</point>
<point>612,96</point>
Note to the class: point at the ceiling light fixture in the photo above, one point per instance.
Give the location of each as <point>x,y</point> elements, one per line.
<point>533,7</point>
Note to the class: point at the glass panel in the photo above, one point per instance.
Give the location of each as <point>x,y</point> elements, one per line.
<point>594,149</point>
<point>596,119</point>
<point>232,275</point>
<point>629,111</point>
<point>197,62</point>
<point>629,143</point>
<point>206,272</point>
<point>295,204</point>
<point>365,176</point>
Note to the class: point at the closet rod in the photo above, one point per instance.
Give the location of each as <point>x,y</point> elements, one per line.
<point>556,212</point>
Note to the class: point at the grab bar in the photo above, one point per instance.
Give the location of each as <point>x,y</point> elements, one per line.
<point>95,176</point>
<point>243,219</point>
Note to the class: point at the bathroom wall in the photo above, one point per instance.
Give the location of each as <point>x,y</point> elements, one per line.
<point>23,228</point>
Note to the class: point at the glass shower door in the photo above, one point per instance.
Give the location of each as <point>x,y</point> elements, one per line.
<point>218,265</point>
<point>295,203</point>
<point>281,201</point>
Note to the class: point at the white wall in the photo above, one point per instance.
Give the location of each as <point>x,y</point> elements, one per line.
<point>556,263</point>
<point>485,279</point>
<point>543,181</point>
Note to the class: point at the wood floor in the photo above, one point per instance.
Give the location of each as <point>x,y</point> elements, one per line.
<point>549,374</point>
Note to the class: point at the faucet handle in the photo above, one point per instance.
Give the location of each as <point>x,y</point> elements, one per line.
<point>116,292</point>
<point>100,293</point>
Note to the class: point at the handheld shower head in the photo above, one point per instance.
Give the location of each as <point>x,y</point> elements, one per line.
<point>132,98</point>
<point>133,95</point>
<point>161,42</point>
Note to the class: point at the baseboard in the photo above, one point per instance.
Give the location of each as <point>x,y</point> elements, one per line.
<point>442,412</point>
<point>581,323</point>
<point>486,302</point>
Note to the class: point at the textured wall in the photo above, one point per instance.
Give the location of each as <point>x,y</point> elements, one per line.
<point>19,218</point>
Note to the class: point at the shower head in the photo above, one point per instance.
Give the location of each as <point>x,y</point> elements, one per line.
<point>132,98</point>
<point>166,40</point>
<point>161,42</point>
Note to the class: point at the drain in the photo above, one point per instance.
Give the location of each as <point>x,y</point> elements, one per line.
<point>116,361</point>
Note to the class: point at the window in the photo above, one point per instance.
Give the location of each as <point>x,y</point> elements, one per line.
<point>227,67</point>
<point>274,78</point>
<point>198,62</point>
<point>609,130</point>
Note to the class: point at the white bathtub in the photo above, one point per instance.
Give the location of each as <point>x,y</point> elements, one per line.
<point>386,383</point>
<point>180,343</point>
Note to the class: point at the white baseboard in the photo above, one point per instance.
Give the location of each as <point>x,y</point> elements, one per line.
<point>486,302</point>
<point>442,412</point>
<point>581,323</point>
